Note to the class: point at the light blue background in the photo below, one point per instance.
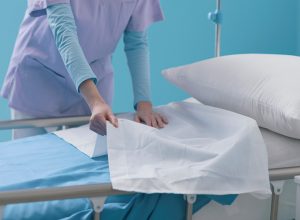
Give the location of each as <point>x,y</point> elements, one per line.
<point>256,26</point>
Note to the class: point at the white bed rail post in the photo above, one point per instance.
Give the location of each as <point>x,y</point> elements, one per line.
<point>98,203</point>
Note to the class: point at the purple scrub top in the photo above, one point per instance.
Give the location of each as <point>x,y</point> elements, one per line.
<point>37,82</point>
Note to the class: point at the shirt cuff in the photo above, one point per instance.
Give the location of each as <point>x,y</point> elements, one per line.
<point>82,79</point>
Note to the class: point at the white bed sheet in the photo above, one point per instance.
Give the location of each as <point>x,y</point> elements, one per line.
<point>199,139</point>
<point>282,151</point>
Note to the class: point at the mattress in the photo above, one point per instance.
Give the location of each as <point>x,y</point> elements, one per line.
<point>282,151</point>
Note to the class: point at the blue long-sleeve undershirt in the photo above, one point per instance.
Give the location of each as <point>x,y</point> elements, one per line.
<point>62,24</point>
<point>137,53</point>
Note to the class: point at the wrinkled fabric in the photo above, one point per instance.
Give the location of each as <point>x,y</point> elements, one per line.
<point>203,150</point>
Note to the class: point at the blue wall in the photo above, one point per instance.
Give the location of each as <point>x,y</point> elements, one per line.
<point>298,29</point>
<point>11,14</point>
<point>269,26</point>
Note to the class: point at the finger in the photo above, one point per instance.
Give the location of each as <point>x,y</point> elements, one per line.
<point>147,121</point>
<point>164,119</point>
<point>99,126</point>
<point>99,122</point>
<point>113,120</point>
<point>137,119</point>
<point>97,129</point>
<point>98,119</point>
<point>154,122</point>
<point>159,121</point>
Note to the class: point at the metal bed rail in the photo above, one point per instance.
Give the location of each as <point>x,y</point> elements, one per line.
<point>44,122</point>
<point>286,173</point>
<point>97,194</point>
<point>57,193</point>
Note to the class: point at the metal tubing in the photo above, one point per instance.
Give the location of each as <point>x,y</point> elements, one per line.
<point>44,122</point>
<point>189,210</point>
<point>1,212</point>
<point>96,215</point>
<point>274,205</point>
<point>218,5</point>
<point>58,193</point>
<point>190,200</point>
<point>218,33</point>
<point>100,190</point>
<point>284,173</point>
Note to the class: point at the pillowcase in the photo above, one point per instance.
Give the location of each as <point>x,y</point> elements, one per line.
<point>265,87</point>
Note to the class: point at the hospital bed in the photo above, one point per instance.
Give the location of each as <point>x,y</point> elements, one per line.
<point>283,165</point>
<point>97,192</point>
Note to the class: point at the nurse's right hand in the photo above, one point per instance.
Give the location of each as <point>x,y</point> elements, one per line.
<point>100,114</point>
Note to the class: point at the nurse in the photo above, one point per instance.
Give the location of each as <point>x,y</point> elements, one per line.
<point>61,64</point>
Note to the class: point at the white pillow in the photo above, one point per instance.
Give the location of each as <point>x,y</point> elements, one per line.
<point>264,87</point>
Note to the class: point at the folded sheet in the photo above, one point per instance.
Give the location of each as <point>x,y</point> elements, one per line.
<point>85,140</point>
<point>203,150</point>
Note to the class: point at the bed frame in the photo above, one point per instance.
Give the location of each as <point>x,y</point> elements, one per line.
<point>98,192</point>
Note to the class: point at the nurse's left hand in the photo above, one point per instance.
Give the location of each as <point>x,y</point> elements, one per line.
<point>145,114</point>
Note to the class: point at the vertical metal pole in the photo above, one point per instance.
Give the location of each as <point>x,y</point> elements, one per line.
<point>297,198</point>
<point>274,207</point>
<point>190,200</point>
<point>274,204</point>
<point>218,33</point>
<point>1,212</point>
<point>189,211</point>
<point>277,187</point>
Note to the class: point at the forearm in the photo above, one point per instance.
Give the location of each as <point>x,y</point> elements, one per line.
<point>62,24</point>
<point>137,53</point>
<point>90,94</point>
